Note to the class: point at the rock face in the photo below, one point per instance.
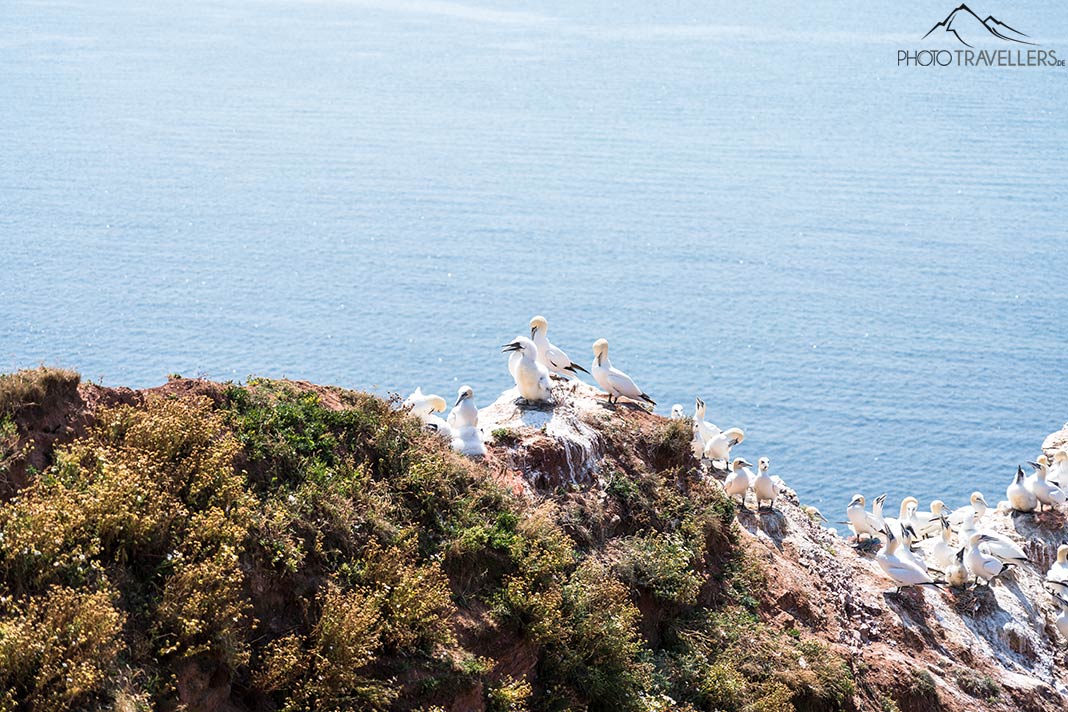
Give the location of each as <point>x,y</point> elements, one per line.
<point>991,647</point>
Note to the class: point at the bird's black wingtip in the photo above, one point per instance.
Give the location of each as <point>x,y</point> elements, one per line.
<point>647,399</point>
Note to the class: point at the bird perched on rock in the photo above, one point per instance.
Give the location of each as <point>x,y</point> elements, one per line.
<point>982,565</point>
<point>677,412</point>
<point>764,487</point>
<point>739,479</point>
<point>1061,621</point>
<point>530,376</point>
<point>902,570</point>
<point>616,383</point>
<point>977,506</point>
<point>1044,492</point>
<point>942,553</point>
<point>928,524</point>
<point>860,520</point>
<point>1059,570</point>
<point>1019,496</point>
<point>463,420</point>
<point>718,449</point>
<point>551,357</point>
<point>1058,471</point>
<point>957,571</point>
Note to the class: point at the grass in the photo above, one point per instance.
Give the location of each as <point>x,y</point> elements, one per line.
<point>315,549</point>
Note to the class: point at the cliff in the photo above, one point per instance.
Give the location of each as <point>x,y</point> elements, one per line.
<point>281,545</point>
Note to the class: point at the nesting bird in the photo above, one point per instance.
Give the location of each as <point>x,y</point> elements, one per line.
<point>1044,492</point>
<point>531,377</point>
<point>677,413</point>
<point>977,506</point>
<point>981,564</point>
<point>1019,496</point>
<point>424,407</point>
<point>901,569</point>
<point>616,383</point>
<point>463,420</point>
<point>860,520</point>
<point>551,357</point>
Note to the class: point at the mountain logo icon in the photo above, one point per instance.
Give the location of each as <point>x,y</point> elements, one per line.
<point>968,28</point>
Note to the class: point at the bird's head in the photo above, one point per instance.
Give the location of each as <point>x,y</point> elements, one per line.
<point>464,393</point>
<point>537,324</point>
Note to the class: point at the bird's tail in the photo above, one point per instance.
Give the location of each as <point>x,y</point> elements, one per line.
<point>575,367</point>
<point>647,399</point>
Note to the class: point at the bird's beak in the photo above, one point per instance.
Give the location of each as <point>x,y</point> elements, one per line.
<point>533,330</point>
<point>1034,464</point>
<point>745,463</point>
<point>459,399</point>
<point>514,346</point>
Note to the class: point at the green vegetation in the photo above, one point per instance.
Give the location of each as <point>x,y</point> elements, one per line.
<point>978,686</point>
<point>302,548</point>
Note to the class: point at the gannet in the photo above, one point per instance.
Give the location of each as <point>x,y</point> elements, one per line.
<point>616,383</point>
<point>468,441</point>
<point>1020,498</point>
<point>982,565</point>
<point>902,570</point>
<point>1061,621</point>
<point>424,406</point>
<point>1059,570</point>
<point>530,376</point>
<point>719,447</point>
<point>995,544</point>
<point>697,444</point>
<point>764,487</point>
<point>942,552</point>
<point>707,430</point>
<point>1058,471</point>
<point>897,525</point>
<point>928,524</point>
<point>978,506</point>
<point>677,413</point>
<point>551,357</point>
<point>420,404</point>
<point>739,479</point>
<point>1037,485</point>
<point>877,513</point>
<point>464,413</point>
<point>860,521</point>
<point>957,572</point>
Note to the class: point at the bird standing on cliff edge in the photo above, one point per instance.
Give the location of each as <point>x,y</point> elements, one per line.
<point>616,383</point>
<point>550,356</point>
<point>531,377</point>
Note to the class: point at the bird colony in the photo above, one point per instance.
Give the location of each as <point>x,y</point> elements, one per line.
<point>940,547</point>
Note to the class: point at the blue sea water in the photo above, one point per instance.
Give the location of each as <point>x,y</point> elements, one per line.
<point>859,263</point>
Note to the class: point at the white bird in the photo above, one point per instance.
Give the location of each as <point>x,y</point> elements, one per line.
<point>464,413</point>
<point>1058,471</point>
<point>719,447</point>
<point>902,570</point>
<point>928,524</point>
<point>739,479</point>
<point>677,413</point>
<point>1020,498</point>
<point>424,406</point>
<point>906,552</point>
<point>897,524</point>
<point>1061,621</point>
<point>982,565</point>
<point>1059,570</point>
<point>697,444</point>
<point>616,383</point>
<point>551,357</point>
<point>708,430</point>
<point>978,507</point>
<point>764,487</point>
<point>468,441</point>
<point>420,404</point>
<point>1037,485</point>
<point>957,573</point>
<point>861,521</point>
<point>942,553</point>
<point>530,376</point>
<point>877,514</point>
<point>994,543</point>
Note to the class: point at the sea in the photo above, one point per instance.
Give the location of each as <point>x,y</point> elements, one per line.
<point>860,262</point>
